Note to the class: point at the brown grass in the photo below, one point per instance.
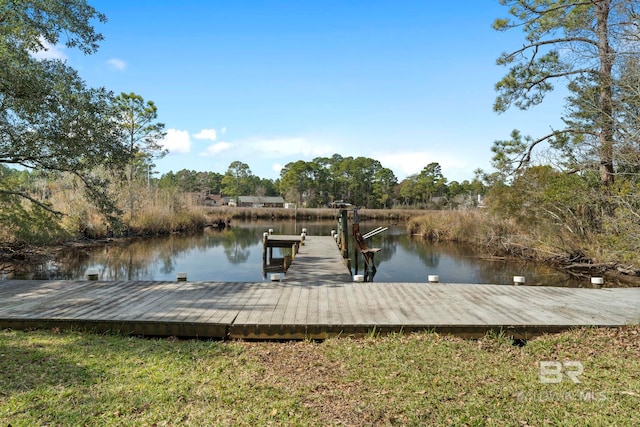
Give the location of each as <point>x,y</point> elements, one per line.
<point>495,235</point>
<point>228,212</point>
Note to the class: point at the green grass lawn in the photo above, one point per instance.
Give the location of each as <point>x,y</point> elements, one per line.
<point>79,378</point>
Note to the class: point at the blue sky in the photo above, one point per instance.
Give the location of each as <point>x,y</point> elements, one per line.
<point>268,82</point>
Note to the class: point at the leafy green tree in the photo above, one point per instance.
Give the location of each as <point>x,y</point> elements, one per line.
<point>361,181</point>
<point>192,181</point>
<point>407,190</point>
<point>321,181</point>
<point>419,189</point>
<point>296,180</point>
<point>547,201</point>
<point>49,119</point>
<point>363,173</point>
<point>431,183</point>
<point>212,182</point>
<point>577,42</point>
<point>383,185</point>
<point>267,187</point>
<point>141,136</point>
<point>628,148</point>
<point>236,181</point>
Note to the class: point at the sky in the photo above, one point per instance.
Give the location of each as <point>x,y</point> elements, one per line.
<point>406,82</point>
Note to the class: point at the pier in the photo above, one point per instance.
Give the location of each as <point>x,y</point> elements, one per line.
<point>315,299</point>
<point>318,261</point>
<point>309,310</point>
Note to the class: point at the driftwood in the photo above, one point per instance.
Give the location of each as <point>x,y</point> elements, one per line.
<point>602,266</point>
<point>623,275</point>
<point>627,270</point>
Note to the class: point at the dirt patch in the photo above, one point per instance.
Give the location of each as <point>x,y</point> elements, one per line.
<point>303,369</point>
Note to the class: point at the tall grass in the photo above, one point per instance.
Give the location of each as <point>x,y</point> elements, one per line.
<point>584,254</point>
<point>493,234</point>
<point>310,213</point>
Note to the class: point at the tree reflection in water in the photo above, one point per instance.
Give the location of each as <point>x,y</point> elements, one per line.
<point>235,254</point>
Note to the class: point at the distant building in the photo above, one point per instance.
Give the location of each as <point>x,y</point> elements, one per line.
<point>207,199</point>
<point>215,200</point>
<point>260,202</point>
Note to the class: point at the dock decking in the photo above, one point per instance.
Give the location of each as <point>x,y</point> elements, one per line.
<point>318,260</point>
<point>297,310</point>
<point>316,300</point>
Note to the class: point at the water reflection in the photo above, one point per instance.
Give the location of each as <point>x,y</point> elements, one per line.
<point>235,254</point>
<point>212,255</point>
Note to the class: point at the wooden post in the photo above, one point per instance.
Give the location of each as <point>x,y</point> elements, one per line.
<point>344,238</point>
<point>356,249</point>
<point>265,237</point>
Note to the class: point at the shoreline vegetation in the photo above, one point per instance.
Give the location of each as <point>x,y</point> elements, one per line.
<point>503,237</point>
<point>492,235</point>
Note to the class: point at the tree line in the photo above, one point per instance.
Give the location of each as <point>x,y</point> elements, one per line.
<point>360,181</point>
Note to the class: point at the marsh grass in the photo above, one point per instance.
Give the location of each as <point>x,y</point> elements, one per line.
<point>78,378</point>
<point>501,236</point>
<point>312,213</point>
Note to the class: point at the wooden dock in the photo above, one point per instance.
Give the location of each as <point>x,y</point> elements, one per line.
<point>319,261</point>
<point>305,309</point>
<point>317,299</point>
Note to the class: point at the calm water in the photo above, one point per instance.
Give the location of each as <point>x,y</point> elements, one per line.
<point>235,254</point>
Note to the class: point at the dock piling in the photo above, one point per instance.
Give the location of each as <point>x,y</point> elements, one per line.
<point>92,274</point>
<point>597,282</point>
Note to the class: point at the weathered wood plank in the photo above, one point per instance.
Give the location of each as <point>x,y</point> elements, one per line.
<point>225,301</point>
<point>318,261</point>
<point>301,310</point>
<point>30,296</point>
<point>141,303</point>
<point>253,313</point>
<point>281,310</point>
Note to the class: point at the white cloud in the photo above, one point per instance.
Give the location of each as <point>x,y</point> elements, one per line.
<point>286,147</point>
<point>405,163</point>
<point>177,141</point>
<point>277,167</point>
<point>49,51</point>
<point>117,64</point>
<point>214,149</point>
<point>209,134</point>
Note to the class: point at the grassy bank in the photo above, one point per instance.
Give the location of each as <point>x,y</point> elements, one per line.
<point>73,378</point>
